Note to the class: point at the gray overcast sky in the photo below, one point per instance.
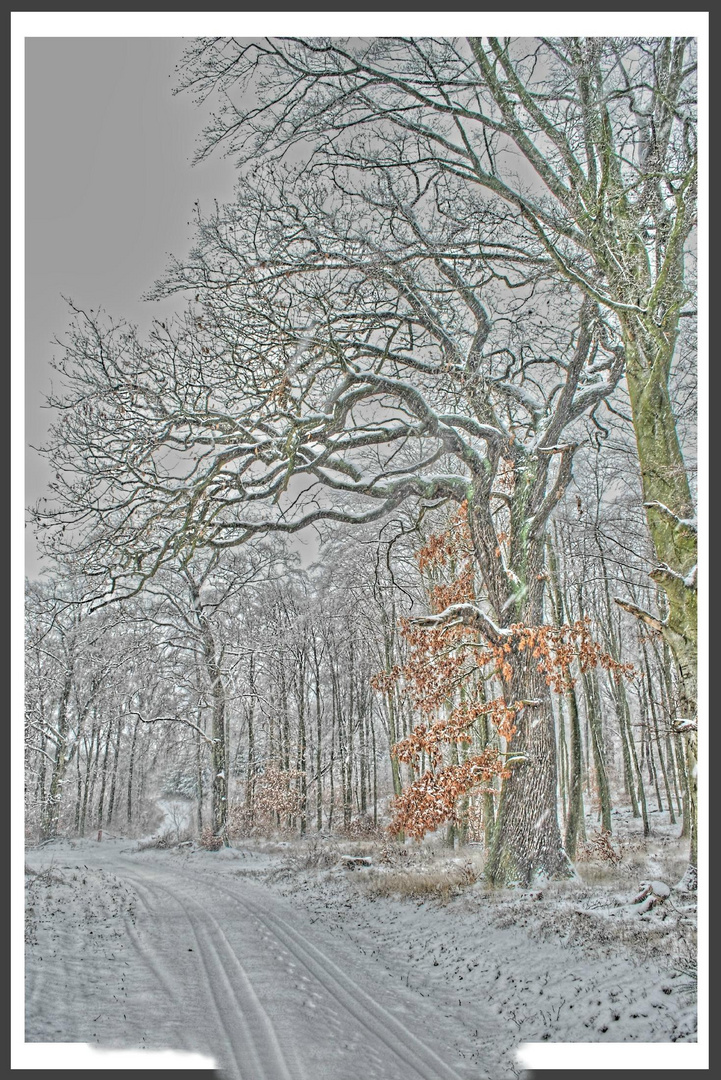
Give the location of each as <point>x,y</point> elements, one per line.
<point>109,194</point>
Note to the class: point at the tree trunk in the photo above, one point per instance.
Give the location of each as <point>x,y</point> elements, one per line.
<point>90,775</point>
<point>657,736</point>
<point>487,738</point>
<point>104,778</point>
<point>670,517</point>
<point>666,494</point>
<point>318,744</point>
<point>114,777</point>
<point>527,842</point>
<point>575,825</point>
<point>599,758</point>
<point>219,750</point>
<point>451,830</point>
<point>362,759</point>
<point>51,810</point>
<point>621,706</point>
<point>375,773</point>
<point>131,768</point>
<point>251,763</point>
<point>78,795</point>
<point>331,801</point>
<point>302,747</point>
<point>639,775</point>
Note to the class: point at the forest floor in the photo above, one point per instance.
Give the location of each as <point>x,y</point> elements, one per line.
<point>280,963</point>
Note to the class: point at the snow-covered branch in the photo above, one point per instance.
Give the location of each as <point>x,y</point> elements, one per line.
<point>687,525</point>
<point>464,615</point>
<point>645,616</point>
<point>179,720</point>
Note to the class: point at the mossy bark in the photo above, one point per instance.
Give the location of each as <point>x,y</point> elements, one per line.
<point>670,513</point>
<point>667,498</point>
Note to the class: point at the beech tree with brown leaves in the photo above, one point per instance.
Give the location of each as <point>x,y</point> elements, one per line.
<point>449,667</point>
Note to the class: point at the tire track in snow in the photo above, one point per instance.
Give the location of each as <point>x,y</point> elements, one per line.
<point>259,1038</point>
<point>299,1072</point>
<point>143,949</point>
<point>374,1018</point>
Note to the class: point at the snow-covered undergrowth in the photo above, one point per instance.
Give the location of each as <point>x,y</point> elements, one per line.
<point>80,916</point>
<point>575,961</point>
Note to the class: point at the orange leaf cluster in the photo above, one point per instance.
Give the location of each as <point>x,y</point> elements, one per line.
<point>435,665</point>
<point>456,728</point>
<point>444,659</point>
<point>459,591</point>
<point>452,544</point>
<point>554,649</point>
<point>274,793</point>
<point>431,799</point>
<point>384,681</point>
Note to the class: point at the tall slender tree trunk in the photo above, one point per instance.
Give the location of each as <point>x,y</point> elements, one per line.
<point>114,776</point>
<point>318,743</point>
<point>375,773</point>
<point>78,794</point>
<point>199,787</point>
<point>104,777</point>
<point>251,766</point>
<point>575,821</point>
<point>333,717</point>
<point>90,768</point>
<point>575,825</point>
<point>641,791</point>
<point>51,810</point>
<point>621,706</point>
<point>302,747</point>
<point>593,713</point>
<point>131,769</point>
<point>218,734</point>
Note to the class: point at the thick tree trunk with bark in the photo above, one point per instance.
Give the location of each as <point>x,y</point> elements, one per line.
<point>667,497</point>
<point>527,843</point>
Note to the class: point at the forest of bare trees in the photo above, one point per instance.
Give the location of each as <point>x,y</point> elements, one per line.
<point>393,526</point>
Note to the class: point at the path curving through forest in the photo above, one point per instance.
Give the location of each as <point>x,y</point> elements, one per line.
<point>219,964</point>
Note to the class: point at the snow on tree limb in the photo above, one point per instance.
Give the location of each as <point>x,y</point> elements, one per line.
<point>689,525</point>
<point>645,616</point>
<point>464,615</point>
<point>178,720</point>
<point>664,575</point>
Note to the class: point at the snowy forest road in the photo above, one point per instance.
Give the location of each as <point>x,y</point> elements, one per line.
<point>220,965</point>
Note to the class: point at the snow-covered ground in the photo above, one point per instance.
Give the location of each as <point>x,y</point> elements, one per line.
<point>278,962</point>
